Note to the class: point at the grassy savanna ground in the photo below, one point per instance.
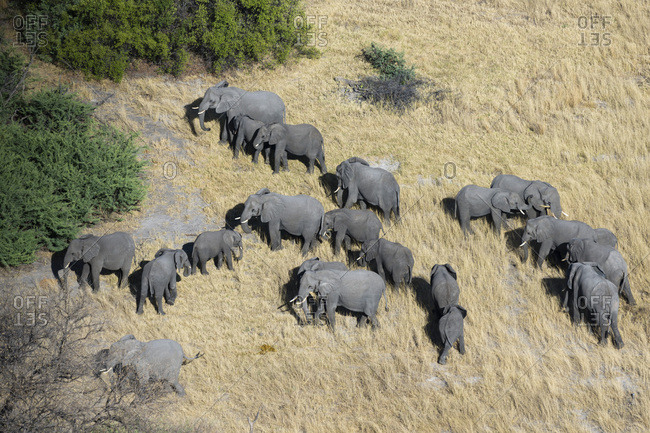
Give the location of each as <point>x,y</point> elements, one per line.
<point>526,98</point>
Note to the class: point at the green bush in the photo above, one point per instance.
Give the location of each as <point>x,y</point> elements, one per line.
<point>389,63</point>
<point>61,170</point>
<point>101,37</point>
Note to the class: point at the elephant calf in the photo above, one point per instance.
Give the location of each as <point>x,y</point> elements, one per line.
<point>591,290</point>
<point>247,131</point>
<point>351,224</point>
<point>216,244</point>
<point>389,256</point>
<point>157,360</point>
<point>445,292</point>
<point>159,277</point>
<point>476,201</point>
<point>609,259</point>
<point>312,265</point>
<point>115,251</point>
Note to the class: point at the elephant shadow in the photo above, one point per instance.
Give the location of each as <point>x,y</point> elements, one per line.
<point>288,291</point>
<point>513,240</point>
<point>424,299</point>
<point>135,280</point>
<point>448,205</point>
<point>330,182</point>
<point>56,265</point>
<point>192,114</point>
<point>188,247</point>
<point>555,287</point>
<point>233,215</point>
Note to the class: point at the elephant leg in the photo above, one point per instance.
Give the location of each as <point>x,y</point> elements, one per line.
<point>219,260</point>
<point>223,121</point>
<point>461,343</point>
<point>340,235</point>
<point>363,205</point>
<point>229,260</point>
<point>256,155</point>
<point>362,321</point>
<point>321,162</point>
<point>380,268</point>
<point>497,217</point>
<point>274,234</point>
<point>310,168</point>
<point>544,251</point>
<point>348,243</point>
<point>602,323</point>
<point>331,310</point>
<point>617,335</point>
<point>285,161</point>
<point>443,356</point>
<point>84,275</point>
<point>94,274</point>
<point>124,275</point>
<point>171,295</point>
<point>159,303</point>
<point>178,388</point>
<point>204,265</point>
<point>306,245</point>
<point>373,321</point>
<point>464,218</point>
<point>267,155</point>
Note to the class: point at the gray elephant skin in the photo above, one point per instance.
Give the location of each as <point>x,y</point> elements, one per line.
<point>609,259</point>
<point>157,360</point>
<point>312,265</point>
<point>553,233</point>
<point>351,225</point>
<point>298,215</point>
<point>247,131</point>
<point>298,140</point>
<point>476,201</point>
<point>389,256</point>
<point>357,290</point>
<point>159,277</point>
<point>260,105</point>
<point>541,196</point>
<point>367,185</point>
<point>115,251</point>
<point>591,290</point>
<point>444,286</point>
<point>224,243</point>
<point>445,292</point>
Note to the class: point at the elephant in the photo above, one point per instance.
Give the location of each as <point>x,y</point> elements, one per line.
<point>316,264</point>
<point>609,259</point>
<point>477,201</point>
<point>159,277</point>
<point>260,105</point>
<point>247,131</point>
<point>298,140</point>
<point>598,295</point>
<point>452,330</point>
<point>553,233</point>
<point>223,243</point>
<point>367,185</point>
<point>357,290</point>
<point>444,286</point>
<point>115,251</point>
<point>157,360</point>
<point>298,215</point>
<point>389,256</point>
<point>542,197</point>
<point>351,224</point>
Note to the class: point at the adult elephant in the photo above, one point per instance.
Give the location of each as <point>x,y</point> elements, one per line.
<point>367,185</point>
<point>229,102</point>
<point>159,277</point>
<point>115,251</point>
<point>298,215</point>
<point>157,360</point>
<point>351,224</point>
<point>477,201</point>
<point>299,140</point>
<point>358,291</point>
<point>389,256</point>
<point>591,290</point>
<point>609,259</point>
<point>541,196</point>
<point>553,233</point>
<point>224,243</point>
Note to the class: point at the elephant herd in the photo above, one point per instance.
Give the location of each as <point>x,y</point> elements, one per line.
<point>597,271</point>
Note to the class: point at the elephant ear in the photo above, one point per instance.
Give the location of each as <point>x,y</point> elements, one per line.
<point>596,267</point>
<point>127,337</point>
<point>263,191</point>
<point>178,259</point>
<point>276,133</point>
<point>575,249</point>
<point>90,248</point>
<point>500,201</point>
<point>434,269</point>
<point>542,229</point>
<point>451,270</point>
<point>358,160</point>
<point>346,174</point>
<point>270,211</point>
<point>462,310</point>
<point>222,83</point>
<point>324,289</point>
<point>533,197</point>
<point>226,103</point>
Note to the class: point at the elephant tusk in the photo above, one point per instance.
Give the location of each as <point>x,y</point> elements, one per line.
<point>201,112</point>
<point>294,298</point>
<point>337,189</point>
<point>301,302</point>
<point>565,214</point>
<point>522,212</point>
<point>360,257</point>
<point>522,244</point>
<point>238,218</point>
<point>195,108</point>
<point>244,222</point>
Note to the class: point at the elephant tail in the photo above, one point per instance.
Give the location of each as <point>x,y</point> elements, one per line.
<point>627,292</point>
<point>410,274</point>
<point>195,256</point>
<point>385,301</point>
<point>187,360</point>
<point>397,208</point>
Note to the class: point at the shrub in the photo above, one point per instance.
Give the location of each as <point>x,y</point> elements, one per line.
<point>389,63</point>
<point>101,38</point>
<point>63,170</point>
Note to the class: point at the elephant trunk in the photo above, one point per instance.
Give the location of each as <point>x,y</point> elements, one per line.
<point>556,210</point>
<point>202,109</point>
<point>186,270</point>
<point>243,220</point>
<point>339,196</point>
<point>67,261</point>
<point>240,248</point>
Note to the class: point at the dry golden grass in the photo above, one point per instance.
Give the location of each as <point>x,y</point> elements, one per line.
<point>527,99</point>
